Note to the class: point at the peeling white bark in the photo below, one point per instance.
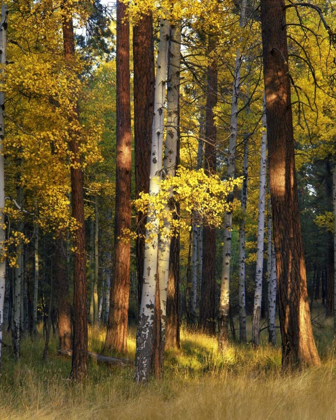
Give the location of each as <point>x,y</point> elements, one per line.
<point>170,157</point>
<point>146,316</point>
<point>260,240</point>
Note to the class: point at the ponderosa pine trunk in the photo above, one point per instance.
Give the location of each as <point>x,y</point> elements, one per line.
<point>3,47</point>
<point>80,329</point>
<point>207,321</point>
<point>298,345</point>
<point>146,315</point>
<point>116,337</point>
<point>62,295</point>
<point>260,238</point>
<point>144,79</point>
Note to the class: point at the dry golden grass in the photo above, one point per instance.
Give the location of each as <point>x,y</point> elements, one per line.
<point>245,383</point>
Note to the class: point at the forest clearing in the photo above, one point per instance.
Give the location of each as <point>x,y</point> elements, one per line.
<point>168,209</point>
<point>199,383</point>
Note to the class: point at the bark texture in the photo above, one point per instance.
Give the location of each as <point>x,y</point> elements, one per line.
<point>62,295</point>
<point>143,56</point>
<point>116,337</point>
<point>298,345</point>
<point>80,331</point>
<point>260,239</point>
<point>146,316</point>
<point>207,322</point>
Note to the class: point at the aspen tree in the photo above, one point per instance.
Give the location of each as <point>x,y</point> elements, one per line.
<point>170,158</point>
<point>146,316</point>
<point>260,239</point>
<point>224,299</point>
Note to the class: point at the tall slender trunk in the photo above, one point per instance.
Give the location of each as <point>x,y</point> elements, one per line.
<point>108,287</point>
<point>334,210</point>
<point>173,320</point>
<point>36,278</point>
<point>62,294</point>
<point>242,255</point>
<point>3,46</point>
<point>96,265</point>
<point>298,345</point>
<point>224,298</point>
<point>80,331</point>
<point>170,159</point>
<point>271,280</point>
<point>116,337</point>
<point>206,321</point>
<point>146,316</point>
<point>144,79</point>
<point>260,240</point>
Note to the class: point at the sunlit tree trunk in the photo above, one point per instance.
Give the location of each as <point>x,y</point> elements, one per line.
<point>170,159</point>
<point>298,345</point>
<point>206,320</point>
<point>146,316</point>
<point>260,239</point>
<point>80,331</point>
<point>62,294</point>
<point>116,337</point>
<point>242,254</point>
<point>144,79</point>
<point>3,46</point>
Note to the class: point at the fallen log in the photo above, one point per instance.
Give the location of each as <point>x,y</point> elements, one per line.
<point>99,358</point>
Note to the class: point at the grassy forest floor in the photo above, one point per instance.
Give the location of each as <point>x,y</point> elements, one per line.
<point>245,383</point>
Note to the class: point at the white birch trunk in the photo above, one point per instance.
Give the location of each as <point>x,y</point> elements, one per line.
<point>36,280</point>
<point>224,298</point>
<point>3,45</point>
<point>260,240</point>
<point>107,288</point>
<point>170,157</point>
<point>96,260</point>
<point>146,316</point>
<point>242,255</point>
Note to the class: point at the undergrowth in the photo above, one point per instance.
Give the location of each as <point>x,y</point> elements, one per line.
<point>199,383</point>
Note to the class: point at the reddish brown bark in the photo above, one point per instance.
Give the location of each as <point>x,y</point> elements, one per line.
<point>116,337</point>
<point>80,331</point>
<point>207,322</point>
<point>298,345</point>
<point>62,295</point>
<point>143,57</point>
